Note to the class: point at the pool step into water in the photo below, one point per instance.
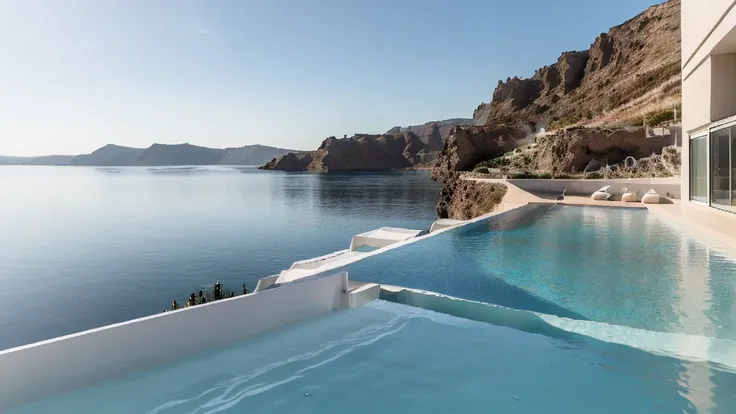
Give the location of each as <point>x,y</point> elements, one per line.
<point>682,346</point>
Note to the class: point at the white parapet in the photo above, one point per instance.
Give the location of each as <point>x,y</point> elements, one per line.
<point>375,239</point>
<point>39,370</point>
<point>385,236</point>
<point>308,267</point>
<point>265,282</point>
<point>440,224</point>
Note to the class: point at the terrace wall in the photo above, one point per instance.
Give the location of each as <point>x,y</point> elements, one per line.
<point>587,187</point>
<point>36,371</point>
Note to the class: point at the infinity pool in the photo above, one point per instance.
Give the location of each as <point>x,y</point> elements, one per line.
<point>388,357</point>
<point>577,310</point>
<point>621,266</point>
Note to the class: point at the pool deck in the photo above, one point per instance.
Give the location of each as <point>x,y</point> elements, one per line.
<point>713,227</point>
<point>516,196</point>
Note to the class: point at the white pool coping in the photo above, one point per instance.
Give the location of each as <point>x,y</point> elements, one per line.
<point>350,260</point>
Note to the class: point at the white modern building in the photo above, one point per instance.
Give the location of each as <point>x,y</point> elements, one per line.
<point>709,102</point>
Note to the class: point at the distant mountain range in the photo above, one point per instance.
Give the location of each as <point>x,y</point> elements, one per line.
<point>157,155</point>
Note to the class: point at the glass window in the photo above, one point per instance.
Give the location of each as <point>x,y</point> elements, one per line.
<point>720,166</point>
<point>699,169</point>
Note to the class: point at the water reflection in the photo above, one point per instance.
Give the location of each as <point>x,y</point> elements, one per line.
<point>367,194</point>
<point>621,267</point>
<point>129,240</point>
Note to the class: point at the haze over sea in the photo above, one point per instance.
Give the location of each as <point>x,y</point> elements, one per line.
<point>85,247</point>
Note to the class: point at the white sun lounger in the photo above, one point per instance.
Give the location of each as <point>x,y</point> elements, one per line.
<point>602,193</point>
<point>651,197</point>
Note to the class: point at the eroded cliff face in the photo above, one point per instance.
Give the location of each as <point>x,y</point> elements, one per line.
<point>575,149</point>
<point>630,71</point>
<point>465,147</point>
<point>433,134</point>
<point>294,161</point>
<point>465,200</point>
<point>634,68</point>
<point>400,147</point>
<point>360,152</point>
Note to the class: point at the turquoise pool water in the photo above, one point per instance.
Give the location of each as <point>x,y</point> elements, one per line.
<point>619,266</point>
<point>388,357</point>
<point>578,310</point>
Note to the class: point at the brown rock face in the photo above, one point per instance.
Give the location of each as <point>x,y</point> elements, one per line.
<point>294,161</point>
<point>433,134</point>
<point>465,147</point>
<point>636,58</point>
<point>572,69</point>
<point>464,200</point>
<point>631,70</point>
<point>360,152</point>
<point>574,149</point>
<point>400,147</point>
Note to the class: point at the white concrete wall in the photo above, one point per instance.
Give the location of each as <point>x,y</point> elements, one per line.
<point>723,86</point>
<point>361,294</point>
<point>696,97</point>
<point>587,187</point>
<point>265,282</point>
<point>685,169</point>
<point>358,241</point>
<point>46,368</point>
<point>709,86</point>
<point>700,28</point>
<point>707,80</point>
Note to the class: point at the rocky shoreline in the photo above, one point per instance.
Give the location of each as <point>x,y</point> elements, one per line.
<point>398,148</point>
<point>586,115</point>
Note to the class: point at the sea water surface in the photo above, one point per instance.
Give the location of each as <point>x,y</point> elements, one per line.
<point>85,247</point>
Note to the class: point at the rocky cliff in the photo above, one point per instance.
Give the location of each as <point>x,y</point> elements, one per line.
<point>628,76</point>
<point>433,134</point>
<point>465,147</point>
<point>465,200</point>
<point>399,147</point>
<point>360,152</point>
<point>630,71</point>
<point>574,150</point>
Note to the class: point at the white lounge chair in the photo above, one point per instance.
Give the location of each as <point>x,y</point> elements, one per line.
<point>651,197</point>
<point>628,196</point>
<point>602,193</point>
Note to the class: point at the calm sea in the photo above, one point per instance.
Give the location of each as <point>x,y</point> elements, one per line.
<point>85,247</point>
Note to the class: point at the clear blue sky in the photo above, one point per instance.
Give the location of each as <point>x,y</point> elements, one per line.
<point>78,74</point>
